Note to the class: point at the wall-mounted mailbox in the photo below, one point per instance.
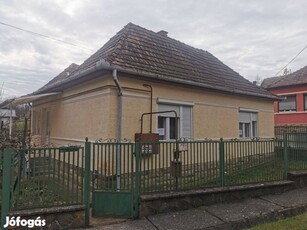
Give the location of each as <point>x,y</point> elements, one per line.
<point>149,142</point>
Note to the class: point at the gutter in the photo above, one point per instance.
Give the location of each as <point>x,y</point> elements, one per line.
<point>100,65</point>
<point>193,83</point>
<point>119,127</point>
<point>104,65</point>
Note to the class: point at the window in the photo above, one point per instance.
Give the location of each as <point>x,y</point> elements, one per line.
<point>167,121</point>
<point>305,102</point>
<point>288,103</point>
<point>247,124</point>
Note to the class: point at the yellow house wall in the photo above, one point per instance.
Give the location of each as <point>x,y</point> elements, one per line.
<point>214,114</point>
<point>81,112</point>
<point>90,110</point>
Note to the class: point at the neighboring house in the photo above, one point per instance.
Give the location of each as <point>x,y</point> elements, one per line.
<point>291,109</point>
<point>105,96</point>
<point>5,115</point>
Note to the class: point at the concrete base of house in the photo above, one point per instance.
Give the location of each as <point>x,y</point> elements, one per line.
<point>68,217</point>
<point>182,200</point>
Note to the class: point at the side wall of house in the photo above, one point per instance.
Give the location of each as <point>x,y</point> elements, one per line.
<point>80,112</point>
<point>90,111</point>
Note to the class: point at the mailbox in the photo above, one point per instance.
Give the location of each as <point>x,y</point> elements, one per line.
<point>149,142</point>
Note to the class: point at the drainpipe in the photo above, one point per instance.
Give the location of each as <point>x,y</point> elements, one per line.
<point>119,129</point>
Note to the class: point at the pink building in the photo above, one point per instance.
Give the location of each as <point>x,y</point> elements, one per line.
<point>292,91</point>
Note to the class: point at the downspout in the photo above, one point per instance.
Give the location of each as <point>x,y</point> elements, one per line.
<point>119,127</point>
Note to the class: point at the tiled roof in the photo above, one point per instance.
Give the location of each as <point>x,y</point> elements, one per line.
<point>146,52</point>
<point>63,75</point>
<point>297,78</point>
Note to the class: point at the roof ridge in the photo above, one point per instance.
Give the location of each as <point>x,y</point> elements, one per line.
<point>277,81</point>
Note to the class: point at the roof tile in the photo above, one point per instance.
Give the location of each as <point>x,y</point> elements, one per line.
<point>297,78</point>
<point>145,51</point>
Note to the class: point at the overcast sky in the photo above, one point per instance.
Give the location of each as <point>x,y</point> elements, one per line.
<point>255,37</point>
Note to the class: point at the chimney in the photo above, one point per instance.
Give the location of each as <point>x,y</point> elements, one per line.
<point>163,33</point>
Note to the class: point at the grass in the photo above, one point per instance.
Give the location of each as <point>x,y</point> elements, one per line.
<point>270,171</point>
<point>294,223</point>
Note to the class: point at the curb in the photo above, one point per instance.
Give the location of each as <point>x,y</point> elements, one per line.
<point>261,219</point>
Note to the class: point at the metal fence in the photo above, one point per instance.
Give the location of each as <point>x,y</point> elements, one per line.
<point>283,129</point>
<point>296,151</point>
<point>48,177</point>
<point>113,166</point>
<point>170,166</point>
<point>44,177</point>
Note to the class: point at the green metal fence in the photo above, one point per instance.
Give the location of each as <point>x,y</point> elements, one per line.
<point>113,166</point>
<point>283,129</point>
<point>48,177</point>
<point>297,151</point>
<point>202,164</point>
<point>182,165</point>
<point>253,161</point>
<point>45,177</point>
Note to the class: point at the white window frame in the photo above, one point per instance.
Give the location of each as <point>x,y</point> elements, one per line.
<point>180,107</point>
<point>253,131</point>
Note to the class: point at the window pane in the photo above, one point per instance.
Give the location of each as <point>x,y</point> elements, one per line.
<point>161,127</point>
<point>247,130</point>
<point>254,128</point>
<point>240,129</point>
<point>172,124</point>
<point>305,101</point>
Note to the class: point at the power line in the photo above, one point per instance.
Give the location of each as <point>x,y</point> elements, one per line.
<point>291,61</point>
<point>47,37</point>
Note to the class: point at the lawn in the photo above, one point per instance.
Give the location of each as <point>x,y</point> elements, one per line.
<point>294,223</point>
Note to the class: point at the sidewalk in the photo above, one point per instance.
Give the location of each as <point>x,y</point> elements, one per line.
<point>236,215</point>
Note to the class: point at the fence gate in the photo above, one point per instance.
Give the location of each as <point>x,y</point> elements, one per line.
<point>115,190</point>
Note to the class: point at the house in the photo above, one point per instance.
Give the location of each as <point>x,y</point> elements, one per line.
<point>292,90</point>
<point>137,72</point>
<point>5,115</point>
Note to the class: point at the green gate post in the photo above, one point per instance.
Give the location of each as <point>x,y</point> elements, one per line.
<point>87,170</point>
<point>6,184</point>
<point>222,161</point>
<point>285,156</point>
<point>136,195</point>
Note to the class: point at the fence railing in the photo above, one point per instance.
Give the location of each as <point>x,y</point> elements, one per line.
<point>170,166</point>
<point>283,129</point>
<point>113,166</point>
<point>45,177</point>
<point>48,177</point>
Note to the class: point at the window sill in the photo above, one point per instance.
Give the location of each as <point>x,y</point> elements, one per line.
<point>291,112</point>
